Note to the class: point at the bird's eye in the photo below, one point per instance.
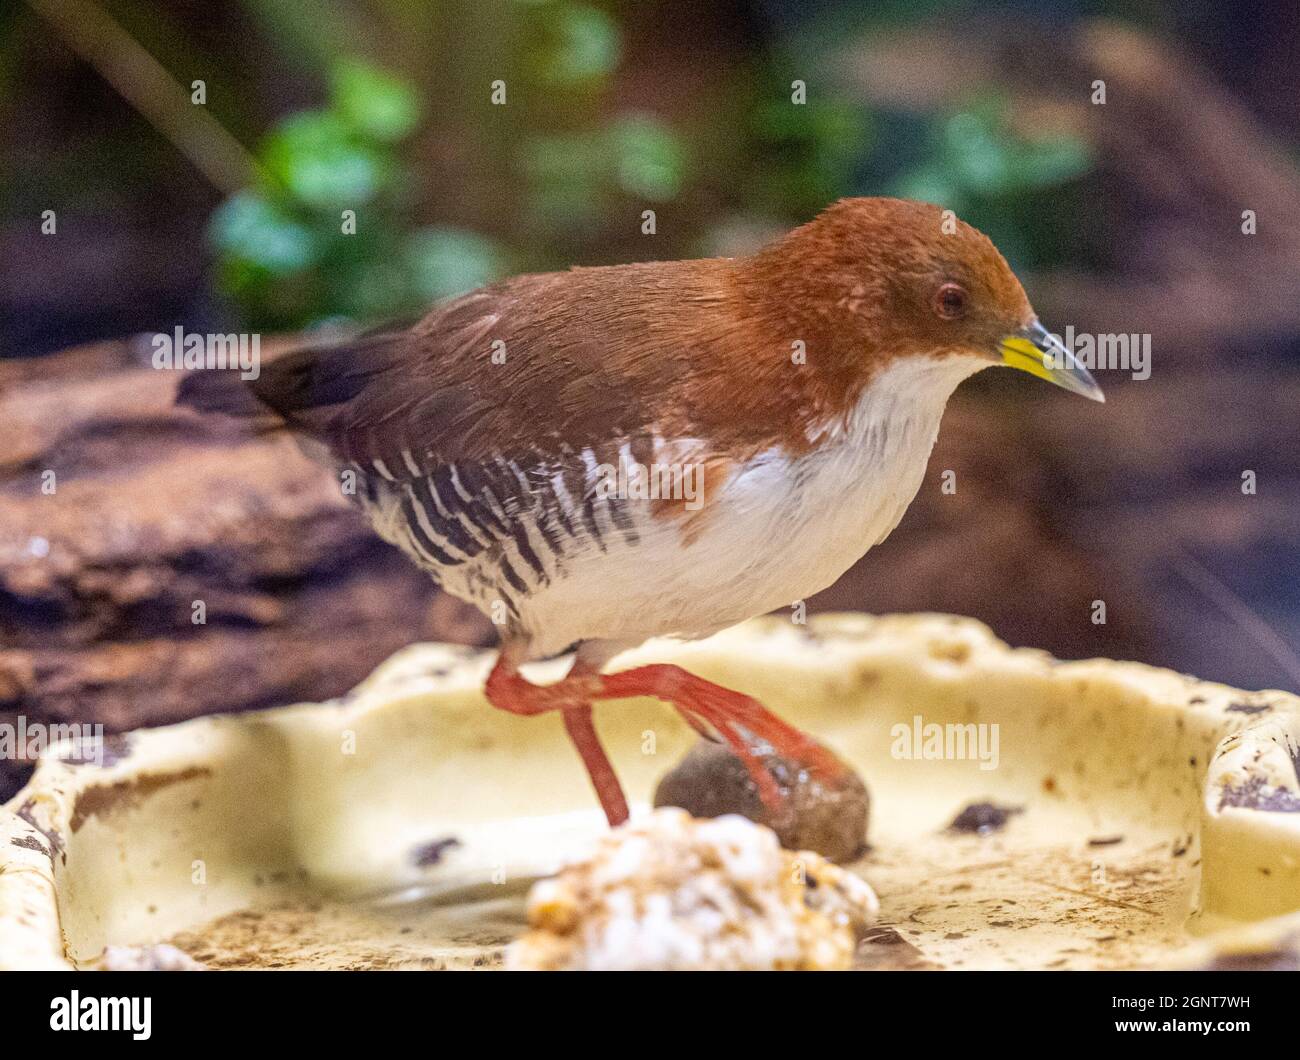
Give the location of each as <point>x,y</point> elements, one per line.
<point>950,301</point>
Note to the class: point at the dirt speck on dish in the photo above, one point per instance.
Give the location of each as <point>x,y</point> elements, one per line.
<point>983,818</point>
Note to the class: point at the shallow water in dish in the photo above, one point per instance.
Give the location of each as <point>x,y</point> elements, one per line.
<point>948,900</point>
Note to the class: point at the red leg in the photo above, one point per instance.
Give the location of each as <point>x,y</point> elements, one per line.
<point>732,714</point>
<point>508,689</point>
<point>603,778</point>
<point>697,700</point>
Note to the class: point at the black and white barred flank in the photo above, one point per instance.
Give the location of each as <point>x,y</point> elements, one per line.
<point>495,530</point>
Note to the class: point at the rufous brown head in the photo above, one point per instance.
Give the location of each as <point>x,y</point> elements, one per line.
<point>888,278</point>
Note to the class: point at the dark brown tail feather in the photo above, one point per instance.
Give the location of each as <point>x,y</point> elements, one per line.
<point>304,389</point>
<point>224,392</point>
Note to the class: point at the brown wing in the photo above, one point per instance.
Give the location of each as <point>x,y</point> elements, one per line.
<point>515,367</point>
<point>541,365</point>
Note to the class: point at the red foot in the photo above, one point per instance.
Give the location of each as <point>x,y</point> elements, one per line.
<point>732,714</point>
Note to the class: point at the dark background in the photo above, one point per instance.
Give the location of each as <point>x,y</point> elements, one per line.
<point>224,216</point>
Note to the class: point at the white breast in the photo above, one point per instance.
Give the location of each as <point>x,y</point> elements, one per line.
<point>782,529</point>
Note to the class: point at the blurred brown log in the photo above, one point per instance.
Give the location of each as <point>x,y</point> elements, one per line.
<point>155,509</point>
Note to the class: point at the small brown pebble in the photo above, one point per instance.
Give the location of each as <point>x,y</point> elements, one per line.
<point>828,817</point>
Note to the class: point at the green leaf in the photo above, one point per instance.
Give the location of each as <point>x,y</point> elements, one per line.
<point>1046,163</point>
<point>586,44</point>
<point>315,157</point>
<point>990,159</point>
<point>248,228</point>
<point>833,126</point>
<point>374,103</point>
<point>648,158</point>
<point>929,183</point>
<point>977,153</point>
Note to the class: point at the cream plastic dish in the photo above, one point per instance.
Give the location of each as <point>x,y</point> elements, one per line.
<point>1152,820</point>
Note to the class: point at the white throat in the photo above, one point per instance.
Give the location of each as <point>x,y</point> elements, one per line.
<point>909,396</point>
<point>854,490</point>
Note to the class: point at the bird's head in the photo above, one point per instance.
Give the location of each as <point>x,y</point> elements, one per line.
<point>894,278</point>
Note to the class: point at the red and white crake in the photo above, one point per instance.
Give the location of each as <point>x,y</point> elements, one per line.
<point>799,390</point>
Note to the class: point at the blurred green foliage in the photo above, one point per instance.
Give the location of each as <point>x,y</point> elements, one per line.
<point>562,172</point>
<point>807,153</point>
<point>571,176</point>
<point>324,232</point>
<point>574,163</point>
<point>993,177</point>
<point>574,43</point>
<point>286,255</point>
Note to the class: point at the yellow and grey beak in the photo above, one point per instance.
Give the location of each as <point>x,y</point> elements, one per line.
<point>1037,351</point>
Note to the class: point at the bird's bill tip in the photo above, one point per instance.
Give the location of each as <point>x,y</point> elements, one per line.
<point>1037,351</point>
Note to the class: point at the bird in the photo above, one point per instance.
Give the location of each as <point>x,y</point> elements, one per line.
<point>609,454</point>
